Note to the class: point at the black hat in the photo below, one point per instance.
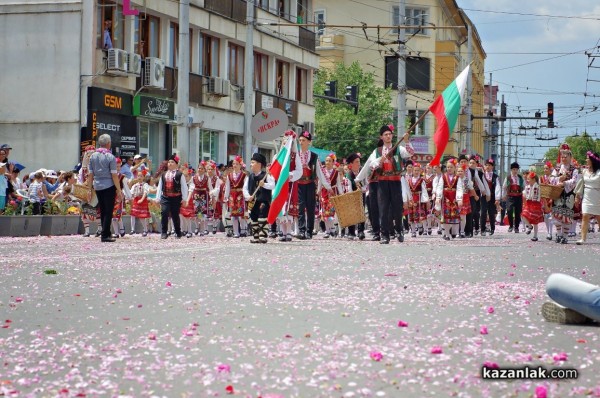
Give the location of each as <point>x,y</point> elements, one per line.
<point>408,163</point>
<point>306,135</point>
<point>462,156</point>
<point>260,158</point>
<point>174,158</point>
<point>514,165</point>
<point>386,127</point>
<point>352,157</point>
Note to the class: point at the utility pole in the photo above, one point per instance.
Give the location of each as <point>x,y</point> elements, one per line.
<point>493,147</point>
<point>248,79</point>
<point>401,69</point>
<point>469,108</point>
<point>183,81</point>
<point>502,147</point>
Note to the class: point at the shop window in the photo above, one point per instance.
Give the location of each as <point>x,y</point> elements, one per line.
<point>235,146</point>
<point>283,79</point>
<point>236,64</point>
<point>209,145</point>
<point>149,140</point>
<point>110,21</point>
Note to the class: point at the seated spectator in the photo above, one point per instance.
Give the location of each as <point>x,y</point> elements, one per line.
<point>51,182</point>
<point>3,186</point>
<point>37,193</point>
<point>574,302</point>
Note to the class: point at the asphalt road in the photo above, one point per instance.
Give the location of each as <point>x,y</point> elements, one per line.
<point>214,316</point>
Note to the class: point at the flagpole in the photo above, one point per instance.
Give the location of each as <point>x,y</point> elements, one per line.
<point>411,128</point>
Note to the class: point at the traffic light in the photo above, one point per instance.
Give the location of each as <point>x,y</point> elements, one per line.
<point>502,112</point>
<point>352,96</point>
<point>331,91</point>
<point>550,115</point>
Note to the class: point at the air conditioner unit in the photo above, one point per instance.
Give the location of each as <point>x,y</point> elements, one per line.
<point>134,65</point>
<point>240,92</point>
<point>117,61</point>
<point>154,74</point>
<point>215,85</point>
<point>225,88</point>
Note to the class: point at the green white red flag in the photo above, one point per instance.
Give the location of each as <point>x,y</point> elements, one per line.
<point>446,109</point>
<point>280,170</point>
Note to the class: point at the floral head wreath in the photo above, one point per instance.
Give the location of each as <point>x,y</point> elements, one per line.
<point>290,133</point>
<point>202,163</point>
<point>391,127</point>
<point>465,166</point>
<point>532,174</point>
<point>416,165</point>
<point>337,164</point>
<point>591,155</point>
<point>548,164</point>
<point>452,161</point>
<point>90,148</point>
<point>118,160</point>
<point>306,134</point>
<point>238,159</point>
<point>332,156</point>
<point>144,172</point>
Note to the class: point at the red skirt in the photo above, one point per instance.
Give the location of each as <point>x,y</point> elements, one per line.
<point>532,211</point>
<point>139,208</point>
<point>327,209</point>
<point>417,212</point>
<point>466,205</point>
<point>188,210</point>
<point>237,204</point>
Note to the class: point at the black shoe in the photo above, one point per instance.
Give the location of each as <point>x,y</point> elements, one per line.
<point>376,238</point>
<point>491,232</point>
<point>476,232</point>
<point>164,236</point>
<point>510,229</point>
<point>429,231</point>
<point>413,235</point>
<point>400,238</point>
<point>516,230</point>
<point>482,233</point>
<point>534,239</point>
<point>178,236</point>
<point>132,232</point>
<point>144,234</point>
<point>282,239</point>
<point>301,236</point>
<point>361,236</point>
<point>420,231</point>
<point>564,241</point>
<point>439,231</point>
<point>549,237</point>
<point>273,235</point>
<point>326,236</point>
<point>86,235</point>
<point>98,233</point>
<point>462,236</point>
<point>446,238</point>
<point>108,240</point>
<point>385,241</point>
<point>558,239</point>
<point>309,236</point>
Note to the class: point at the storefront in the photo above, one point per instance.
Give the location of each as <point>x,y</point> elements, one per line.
<point>109,112</point>
<point>156,131</point>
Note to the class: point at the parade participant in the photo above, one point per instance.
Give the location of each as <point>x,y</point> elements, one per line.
<point>171,192</point>
<point>225,214</point>
<point>449,196</point>
<point>468,192</point>
<point>244,220</point>
<point>187,212</point>
<point>117,220</point>
<point>366,176</point>
<point>437,215</point>
<point>491,180</point>
<point>589,193</point>
<point>353,162</point>
<point>566,177</point>
<point>234,195</point>
<point>257,191</point>
<point>102,174</point>
<point>201,197</point>
<point>513,193</point>
<point>139,203</point>
<point>547,179</point>
<point>428,177</point>
<point>418,200</point>
<point>289,214</point>
<point>334,180</point>
<point>88,213</point>
<point>532,209</point>
<point>479,206</point>
<point>214,206</point>
<point>311,171</point>
<point>386,165</point>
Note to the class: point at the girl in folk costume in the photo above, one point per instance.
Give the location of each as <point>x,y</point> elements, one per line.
<point>225,213</point>
<point>187,212</point>
<point>532,209</point>
<point>418,200</point>
<point>332,176</point>
<point>88,212</point>
<point>289,214</point>
<point>201,197</point>
<point>139,202</point>
<point>491,179</point>
<point>117,221</point>
<point>234,184</point>
<point>449,198</point>
<point>547,179</point>
<point>576,206</point>
<point>566,176</point>
<point>468,191</point>
<point>408,172</point>
<point>437,215</point>
<point>246,217</point>
<point>342,169</point>
<point>214,206</point>
<point>428,178</point>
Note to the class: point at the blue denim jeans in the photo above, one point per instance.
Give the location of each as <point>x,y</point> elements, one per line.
<point>577,295</point>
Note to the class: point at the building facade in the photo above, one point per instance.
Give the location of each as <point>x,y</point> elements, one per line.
<point>67,86</point>
<point>434,57</point>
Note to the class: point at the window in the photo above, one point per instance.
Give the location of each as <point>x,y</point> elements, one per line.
<point>235,146</point>
<point>209,145</point>
<point>284,9</point>
<point>301,12</point>
<point>413,17</point>
<point>149,139</point>
<point>320,21</point>
<point>417,73</point>
<point>209,55</point>
<point>301,85</point>
<point>109,11</point>
<point>283,79</point>
<point>261,72</point>
<point>236,64</point>
<point>264,4</point>
<point>173,44</point>
<point>147,35</point>
<point>413,116</point>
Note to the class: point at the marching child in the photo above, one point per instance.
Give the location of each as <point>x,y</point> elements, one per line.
<point>418,199</point>
<point>201,198</point>
<point>187,212</point>
<point>532,213</point>
<point>468,191</point>
<point>139,203</point>
<point>449,198</point>
<point>257,191</point>
<point>234,184</point>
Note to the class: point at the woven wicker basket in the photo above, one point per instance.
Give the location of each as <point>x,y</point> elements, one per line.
<point>349,208</point>
<point>550,191</point>
<point>81,193</point>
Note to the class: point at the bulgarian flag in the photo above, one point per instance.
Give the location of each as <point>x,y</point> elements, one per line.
<point>280,170</point>
<point>446,108</point>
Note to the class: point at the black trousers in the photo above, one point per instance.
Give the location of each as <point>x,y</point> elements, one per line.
<point>514,207</point>
<point>389,199</point>
<point>106,203</point>
<point>306,208</point>
<point>476,211</point>
<point>260,210</point>
<point>169,206</point>
<point>483,205</point>
<point>374,217</point>
<point>489,212</point>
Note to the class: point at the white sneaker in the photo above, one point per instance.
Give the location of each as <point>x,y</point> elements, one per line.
<point>553,312</point>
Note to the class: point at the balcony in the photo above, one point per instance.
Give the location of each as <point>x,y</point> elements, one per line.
<point>233,9</point>
<point>170,91</point>
<point>308,39</point>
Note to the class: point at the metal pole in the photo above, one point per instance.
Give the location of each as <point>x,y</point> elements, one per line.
<point>248,80</point>
<point>401,69</point>
<point>502,148</point>
<point>493,147</point>
<point>183,81</point>
<point>469,110</point>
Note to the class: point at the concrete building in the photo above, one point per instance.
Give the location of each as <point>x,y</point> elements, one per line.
<point>61,86</point>
<point>491,127</point>
<point>434,57</point>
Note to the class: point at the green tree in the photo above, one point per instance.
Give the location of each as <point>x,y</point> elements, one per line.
<point>579,146</point>
<point>337,128</point>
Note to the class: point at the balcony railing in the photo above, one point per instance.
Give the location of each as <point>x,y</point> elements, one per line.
<point>308,39</point>
<point>234,9</point>
<point>196,87</point>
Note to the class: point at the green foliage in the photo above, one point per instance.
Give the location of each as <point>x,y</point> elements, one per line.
<point>337,128</point>
<point>579,146</point>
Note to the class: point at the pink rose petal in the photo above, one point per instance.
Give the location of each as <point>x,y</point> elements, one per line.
<point>168,284</point>
<point>483,330</point>
<point>402,324</point>
<point>436,349</point>
<point>490,310</point>
<point>541,392</point>
<point>491,365</point>
<point>224,368</point>
<point>376,356</point>
<point>561,356</point>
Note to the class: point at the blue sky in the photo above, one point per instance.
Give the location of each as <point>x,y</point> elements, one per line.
<point>536,54</point>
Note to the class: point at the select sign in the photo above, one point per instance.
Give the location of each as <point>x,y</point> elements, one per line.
<point>269,124</point>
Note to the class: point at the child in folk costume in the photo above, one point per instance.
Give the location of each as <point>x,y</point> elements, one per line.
<point>428,178</point>
<point>234,195</point>
<point>342,169</point>
<point>532,213</point>
<point>547,179</point>
<point>468,191</point>
<point>449,198</point>
<point>565,175</point>
<point>220,195</point>
<point>187,211</point>
<point>289,214</point>
<point>333,177</point>
<point>436,214</point>
<point>117,221</point>
<point>353,162</point>
<point>491,179</point>
<point>257,191</point>
<point>418,200</point>
<point>139,202</point>
<point>214,206</point>
<point>245,219</point>
<point>201,198</point>
<point>88,213</point>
